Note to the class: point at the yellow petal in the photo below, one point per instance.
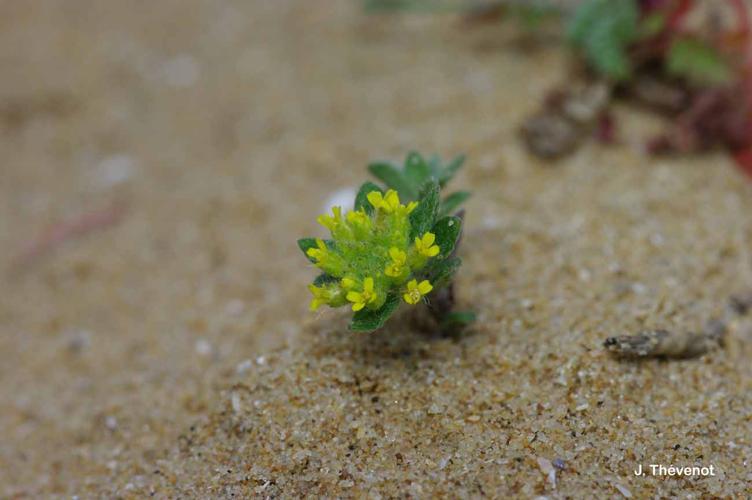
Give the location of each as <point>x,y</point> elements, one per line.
<point>397,255</point>
<point>410,298</point>
<point>428,239</point>
<point>411,206</point>
<point>358,306</point>
<point>412,285</point>
<point>368,285</point>
<point>392,198</point>
<point>347,283</point>
<point>425,287</point>
<point>433,251</point>
<point>375,198</point>
<point>354,297</point>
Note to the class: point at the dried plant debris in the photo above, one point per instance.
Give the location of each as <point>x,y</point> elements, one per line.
<point>567,117</point>
<point>654,343</point>
<point>689,60</point>
<point>679,344</point>
<point>697,76</point>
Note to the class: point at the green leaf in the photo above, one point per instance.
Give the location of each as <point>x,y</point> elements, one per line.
<point>424,6</point>
<point>424,215</point>
<point>697,61</point>
<point>452,202</point>
<point>443,271</point>
<point>417,170</point>
<point>458,319</point>
<point>447,173</point>
<point>304,244</point>
<point>394,179</point>
<point>324,279</point>
<point>652,24</point>
<point>603,29</point>
<point>361,200</point>
<point>367,321</point>
<point>532,14</point>
<point>447,230</point>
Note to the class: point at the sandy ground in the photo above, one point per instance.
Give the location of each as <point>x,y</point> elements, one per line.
<point>170,352</point>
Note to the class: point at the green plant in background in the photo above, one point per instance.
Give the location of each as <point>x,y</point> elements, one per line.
<point>603,29</point>
<point>396,245</point>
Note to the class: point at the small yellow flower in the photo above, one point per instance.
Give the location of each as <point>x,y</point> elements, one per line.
<point>361,299</point>
<point>331,221</point>
<point>317,253</point>
<point>388,202</point>
<point>320,296</point>
<point>425,246</point>
<point>397,266</point>
<point>417,290</point>
<point>375,198</point>
<point>358,218</point>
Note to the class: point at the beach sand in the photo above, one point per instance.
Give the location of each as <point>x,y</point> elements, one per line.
<point>161,345</point>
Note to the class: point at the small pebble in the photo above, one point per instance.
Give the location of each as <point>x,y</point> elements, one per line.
<point>203,347</point>
<point>623,490</point>
<point>111,422</point>
<point>243,366</point>
<point>236,402</point>
<point>344,198</point>
<point>114,170</point>
<point>548,469</point>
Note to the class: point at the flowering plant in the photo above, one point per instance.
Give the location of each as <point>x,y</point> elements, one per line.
<point>384,251</point>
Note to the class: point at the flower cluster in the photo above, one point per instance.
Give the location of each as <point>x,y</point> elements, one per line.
<point>385,252</point>
<point>371,254</point>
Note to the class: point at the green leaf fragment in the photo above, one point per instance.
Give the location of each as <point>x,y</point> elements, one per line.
<point>603,29</point>
<point>424,215</point>
<point>324,279</point>
<point>652,25</point>
<point>458,319</point>
<point>304,244</point>
<point>532,14</point>
<point>442,272</point>
<point>447,230</point>
<point>446,174</point>
<point>417,170</point>
<point>366,320</point>
<point>452,202</point>
<point>697,61</point>
<point>394,179</point>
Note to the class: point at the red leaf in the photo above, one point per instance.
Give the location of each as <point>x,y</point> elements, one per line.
<point>743,159</point>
